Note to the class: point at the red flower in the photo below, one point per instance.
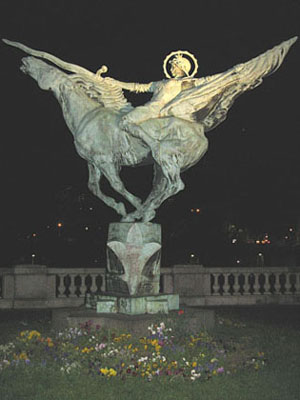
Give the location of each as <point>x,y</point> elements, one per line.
<point>180,312</point>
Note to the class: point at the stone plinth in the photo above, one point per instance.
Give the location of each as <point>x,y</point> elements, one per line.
<point>133,259</point>
<point>193,320</point>
<point>132,305</point>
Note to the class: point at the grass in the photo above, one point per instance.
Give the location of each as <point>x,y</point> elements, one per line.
<point>241,332</point>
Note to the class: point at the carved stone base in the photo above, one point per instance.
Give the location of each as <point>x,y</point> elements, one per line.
<point>133,259</point>
<point>133,305</point>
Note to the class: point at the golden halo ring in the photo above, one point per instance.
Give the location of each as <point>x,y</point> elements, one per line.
<point>182,52</point>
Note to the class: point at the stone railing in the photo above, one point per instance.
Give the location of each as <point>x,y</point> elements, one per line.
<point>228,286</point>
<point>37,286</point>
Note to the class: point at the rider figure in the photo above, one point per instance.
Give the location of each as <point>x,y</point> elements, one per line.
<point>163,92</point>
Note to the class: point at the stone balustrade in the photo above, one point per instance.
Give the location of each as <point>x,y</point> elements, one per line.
<point>38,286</point>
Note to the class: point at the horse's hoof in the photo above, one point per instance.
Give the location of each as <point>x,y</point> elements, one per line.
<point>148,216</point>
<point>121,209</point>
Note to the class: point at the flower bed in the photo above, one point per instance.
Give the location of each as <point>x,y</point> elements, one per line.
<point>90,350</point>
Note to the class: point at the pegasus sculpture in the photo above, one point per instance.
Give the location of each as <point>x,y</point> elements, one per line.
<point>167,132</point>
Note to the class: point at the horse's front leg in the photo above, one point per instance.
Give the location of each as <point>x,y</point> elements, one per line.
<point>94,186</point>
<point>147,211</point>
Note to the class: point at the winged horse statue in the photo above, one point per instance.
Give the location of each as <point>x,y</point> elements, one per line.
<point>167,132</point>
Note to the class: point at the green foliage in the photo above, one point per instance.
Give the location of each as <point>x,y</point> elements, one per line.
<point>244,358</point>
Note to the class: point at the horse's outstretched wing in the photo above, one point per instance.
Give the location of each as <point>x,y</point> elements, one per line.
<point>209,101</point>
<point>103,90</point>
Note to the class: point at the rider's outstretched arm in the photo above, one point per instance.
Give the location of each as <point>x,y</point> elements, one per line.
<point>133,87</point>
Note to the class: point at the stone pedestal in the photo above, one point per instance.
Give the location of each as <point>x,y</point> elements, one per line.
<point>133,272</point>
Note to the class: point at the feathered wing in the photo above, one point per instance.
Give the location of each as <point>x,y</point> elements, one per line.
<point>213,96</point>
<point>95,86</point>
<point>104,92</point>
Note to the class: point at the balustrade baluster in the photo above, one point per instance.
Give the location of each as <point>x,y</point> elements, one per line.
<point>256,285</point>
<point>226,285</point>
<point>81,286</point>
<point>297,284</point>
<point>61,286</point>
<point>72,287</point>
<point>216,287</point>
<point>277,285</point>
<point>93,287</point>
<point>236,285</point>
<point>247,284</point>
<point>267,285</point>
<point>288,284</point>
<point>103,283</point>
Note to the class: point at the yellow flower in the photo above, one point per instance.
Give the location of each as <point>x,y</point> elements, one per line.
<point>112,372</point>
<point>145,347</point>
<point>194,364</point>
<point>157,348</point>
<point>32,334</point>
<point>123,365</point>
<point>104,371</point>
<point>129,346</point>
<point>87,350</point>
<point>154,365</point>
<point>23,356</point>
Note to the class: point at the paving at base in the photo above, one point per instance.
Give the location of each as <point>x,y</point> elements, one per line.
<point>193,319</point>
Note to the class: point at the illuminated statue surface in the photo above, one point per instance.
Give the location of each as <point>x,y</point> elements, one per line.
<point>168,131</point>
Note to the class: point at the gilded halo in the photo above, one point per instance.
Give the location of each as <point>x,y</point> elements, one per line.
<point>181,53</point>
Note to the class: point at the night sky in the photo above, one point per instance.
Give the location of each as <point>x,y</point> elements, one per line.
<point>252,165</point>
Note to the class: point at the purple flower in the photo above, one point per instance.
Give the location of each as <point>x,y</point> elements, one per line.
<point>220,370</point>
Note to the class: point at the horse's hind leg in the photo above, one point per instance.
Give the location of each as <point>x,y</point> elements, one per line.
<point>94,186</point>
<point>112,175</point>
<point>168,183</point>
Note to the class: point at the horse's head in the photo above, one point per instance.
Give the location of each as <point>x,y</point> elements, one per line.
<point>45,75</point>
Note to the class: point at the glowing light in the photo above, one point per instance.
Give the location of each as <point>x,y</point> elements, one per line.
<point>86,228</point>
<point>59,225</point>
<point>234,240</point>
<point>34,235</point>
<point>291,229</point>
<point>286,237</point>
<point>192,210</point>
<point>238,261</point>
<point>257,242</point>
<point>198,210</point>
<point>260,254</point>
<point>192,255</point>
